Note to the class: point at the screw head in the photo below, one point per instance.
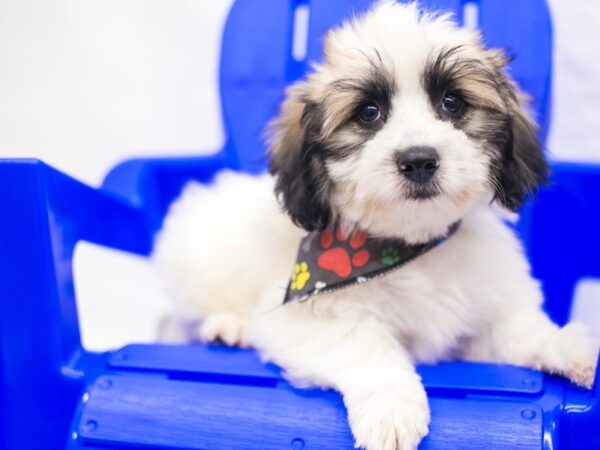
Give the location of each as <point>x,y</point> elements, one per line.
<point>120,356</point>
<point>528,414</point>
<point>106,383</point>
<point>297,444</point>
<point>90,426</point>
<point>529,382</point>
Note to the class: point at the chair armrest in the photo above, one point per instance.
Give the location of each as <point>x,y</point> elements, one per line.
<point>153,184</point>
<point>43,213</point>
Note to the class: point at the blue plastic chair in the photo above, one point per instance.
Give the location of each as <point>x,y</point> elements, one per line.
<point>56,395</point>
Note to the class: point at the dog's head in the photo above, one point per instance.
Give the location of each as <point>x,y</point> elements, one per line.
<point>407,124</point>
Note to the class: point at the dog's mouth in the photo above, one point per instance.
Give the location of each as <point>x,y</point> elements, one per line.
<point>423,191</point>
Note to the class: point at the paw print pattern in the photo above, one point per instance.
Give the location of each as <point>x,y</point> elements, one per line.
<point>390,256</point>
<point>300,276</point>
<point>330,259</point>
<point>337,259</point>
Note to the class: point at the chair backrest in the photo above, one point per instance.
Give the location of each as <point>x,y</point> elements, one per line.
<point>267,45</point>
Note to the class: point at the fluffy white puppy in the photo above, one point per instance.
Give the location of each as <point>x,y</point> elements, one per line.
<point>408,126</point>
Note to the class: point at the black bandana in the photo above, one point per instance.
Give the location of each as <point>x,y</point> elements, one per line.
<point>327,260</point>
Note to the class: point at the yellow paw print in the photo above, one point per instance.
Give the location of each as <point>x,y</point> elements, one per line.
<point>300,276</point>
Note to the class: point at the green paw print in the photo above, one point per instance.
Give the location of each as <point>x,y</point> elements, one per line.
<point>390,256</point>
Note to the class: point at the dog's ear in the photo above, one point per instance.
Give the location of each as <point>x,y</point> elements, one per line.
<point>522,165</point>
<point>297,161</point>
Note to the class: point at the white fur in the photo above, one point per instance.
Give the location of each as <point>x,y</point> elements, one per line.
<point>470,298</point>
<point>227,250</point>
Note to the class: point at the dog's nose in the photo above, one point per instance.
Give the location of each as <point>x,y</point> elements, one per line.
<point>418,164</point>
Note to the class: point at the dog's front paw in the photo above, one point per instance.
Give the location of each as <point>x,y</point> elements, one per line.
<point>578,354</point>
<point>389,420</point>
<point>227,328</point>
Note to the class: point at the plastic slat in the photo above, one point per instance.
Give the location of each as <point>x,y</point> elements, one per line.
<point>228,365</point>
<point>256,50</point>
<point>525,30</point>
<point>138,411</point>
<point>209,416</point>
<point>326,14</point>
<point>221,364</point>
<point>472,378</point>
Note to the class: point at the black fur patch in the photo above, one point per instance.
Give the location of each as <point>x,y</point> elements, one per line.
<point>377,87</point>
<point>302,181</point>
<point>521,166</point>
<point>445,73</point>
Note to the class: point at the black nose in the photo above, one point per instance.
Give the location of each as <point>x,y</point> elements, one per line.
<point>418,164</point>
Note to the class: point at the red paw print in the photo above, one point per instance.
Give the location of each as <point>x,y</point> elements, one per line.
<point>337,259</point>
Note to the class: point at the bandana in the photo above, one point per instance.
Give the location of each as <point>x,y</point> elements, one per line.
<point>328,260</point>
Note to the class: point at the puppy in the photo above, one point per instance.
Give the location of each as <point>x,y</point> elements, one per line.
<point>409,131</point>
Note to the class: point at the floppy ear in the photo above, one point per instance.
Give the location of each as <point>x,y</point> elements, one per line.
<point>522,164</point>
<point>302,182</point>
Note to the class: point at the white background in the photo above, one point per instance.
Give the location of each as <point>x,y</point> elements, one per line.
<point>85,84</point>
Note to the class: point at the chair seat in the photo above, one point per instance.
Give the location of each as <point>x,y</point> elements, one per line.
<point>208,397</point>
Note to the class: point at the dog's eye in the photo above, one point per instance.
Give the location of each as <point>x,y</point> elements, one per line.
<point>369,114</point>
<point>452,104</point>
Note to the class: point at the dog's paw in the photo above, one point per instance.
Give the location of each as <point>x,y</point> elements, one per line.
<point>227,328</point>
<point>579,354</point>
<point>389,421</point>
